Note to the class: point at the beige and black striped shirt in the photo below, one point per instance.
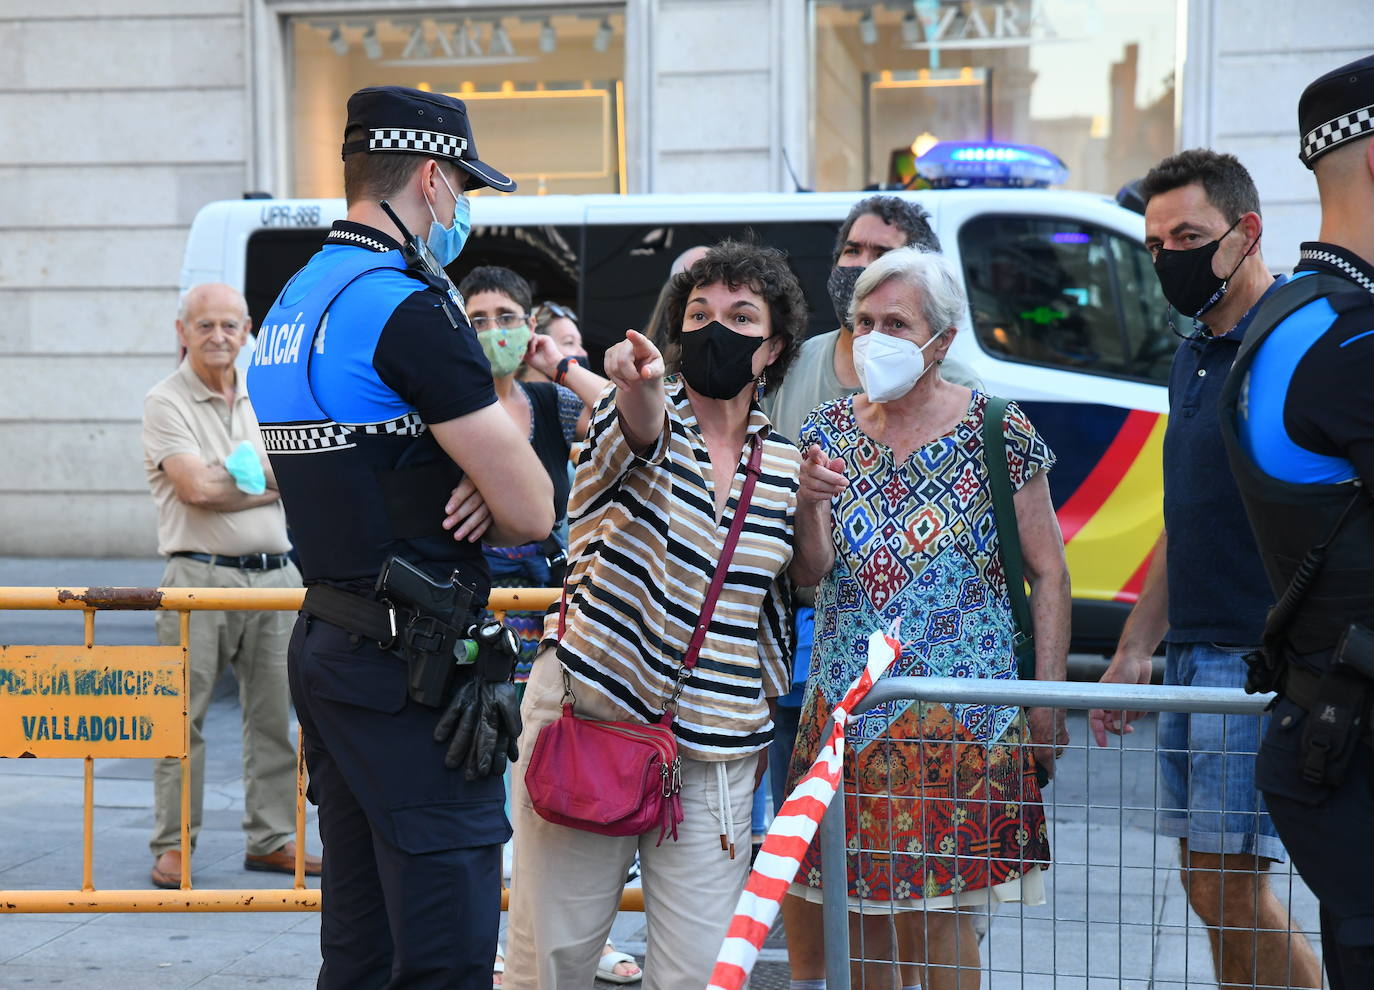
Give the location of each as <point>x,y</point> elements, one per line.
<point>644,546</point>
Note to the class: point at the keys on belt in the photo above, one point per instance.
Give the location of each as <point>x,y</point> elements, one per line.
<point>246,562</point>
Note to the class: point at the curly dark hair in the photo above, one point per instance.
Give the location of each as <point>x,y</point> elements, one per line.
<point>907,216</point>
<point>761,269</point>
<point>1223,178</point>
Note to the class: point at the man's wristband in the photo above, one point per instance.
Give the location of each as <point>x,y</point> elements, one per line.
<point>562,370</point>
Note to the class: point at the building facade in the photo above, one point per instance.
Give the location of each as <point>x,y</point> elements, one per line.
<point>123,117</point>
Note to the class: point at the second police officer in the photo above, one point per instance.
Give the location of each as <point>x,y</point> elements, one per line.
<point>378,414</point>
<point>1298,417</point>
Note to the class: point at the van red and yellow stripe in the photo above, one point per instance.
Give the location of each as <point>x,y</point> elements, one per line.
<point>1109,491</point>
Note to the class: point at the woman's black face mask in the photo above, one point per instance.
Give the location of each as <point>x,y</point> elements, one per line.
<point>716,361</point>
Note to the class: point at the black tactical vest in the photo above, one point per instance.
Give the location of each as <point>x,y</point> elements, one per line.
<point>1290,519</point>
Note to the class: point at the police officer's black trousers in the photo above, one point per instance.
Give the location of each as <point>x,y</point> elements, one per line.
<point>412,852</point>
<point>1330,835</point>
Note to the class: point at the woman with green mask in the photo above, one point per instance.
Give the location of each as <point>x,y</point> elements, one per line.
<point>552,414</point>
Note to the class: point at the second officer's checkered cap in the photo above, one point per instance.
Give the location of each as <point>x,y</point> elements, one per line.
<point>1336,108</point>
<point>409,121</point>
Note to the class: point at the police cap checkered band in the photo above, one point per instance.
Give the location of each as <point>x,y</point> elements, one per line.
<point>1336,108</point>
<point>424,142</point>
<point>397,120</point>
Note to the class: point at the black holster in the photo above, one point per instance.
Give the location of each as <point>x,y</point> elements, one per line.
<point>431,625</point>
<point>1338,705</point>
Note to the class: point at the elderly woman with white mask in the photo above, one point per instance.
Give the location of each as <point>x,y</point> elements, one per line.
<point>895,521</point>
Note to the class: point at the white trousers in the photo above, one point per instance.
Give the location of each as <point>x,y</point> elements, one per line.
<point>566,883</point>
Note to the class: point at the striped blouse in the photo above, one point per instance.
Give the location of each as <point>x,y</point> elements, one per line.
<point>644,544</point>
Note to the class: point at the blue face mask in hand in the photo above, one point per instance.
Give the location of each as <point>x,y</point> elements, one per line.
<point>246,470</point>
<point>446,243</point>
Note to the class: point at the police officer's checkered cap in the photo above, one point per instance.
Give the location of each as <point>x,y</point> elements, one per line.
<point>423,142</point>
<point>397,120</point>
<point>1337,108</point>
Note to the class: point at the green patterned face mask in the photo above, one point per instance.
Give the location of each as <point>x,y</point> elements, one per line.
<point>505,349</point>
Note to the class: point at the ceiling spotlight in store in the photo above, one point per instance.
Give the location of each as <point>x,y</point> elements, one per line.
<point>338,42</point>
<point>548,38</point>
<point>371,45</point>
<point>417,46</point>
<point>602,41</point>
<point>868,29</point>
<point>911,29</point>
<point>499,42</point>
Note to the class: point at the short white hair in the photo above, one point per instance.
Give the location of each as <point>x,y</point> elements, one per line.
<point>184,303</point>
<point>943,302</point>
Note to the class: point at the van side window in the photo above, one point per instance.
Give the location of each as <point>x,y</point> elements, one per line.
<point>1066,294</point>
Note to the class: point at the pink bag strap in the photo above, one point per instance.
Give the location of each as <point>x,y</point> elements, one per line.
<point>751,475</point>
<point>746,495</point>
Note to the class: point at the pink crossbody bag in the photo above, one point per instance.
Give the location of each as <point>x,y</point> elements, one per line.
<point>624,778</point>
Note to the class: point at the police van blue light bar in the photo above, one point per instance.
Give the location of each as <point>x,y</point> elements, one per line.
<point>958,164</point>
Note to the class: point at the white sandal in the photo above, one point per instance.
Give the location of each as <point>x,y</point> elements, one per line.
<point>605,967</point>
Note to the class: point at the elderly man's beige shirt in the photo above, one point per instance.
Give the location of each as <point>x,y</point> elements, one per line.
<point>181,415</point>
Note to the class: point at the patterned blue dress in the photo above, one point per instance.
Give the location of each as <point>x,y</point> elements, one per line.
<point>917,542</point>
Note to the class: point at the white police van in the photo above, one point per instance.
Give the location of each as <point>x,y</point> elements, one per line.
<point>1066,314</point>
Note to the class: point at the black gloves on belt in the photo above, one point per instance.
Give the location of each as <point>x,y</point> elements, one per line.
<point>484,716</point>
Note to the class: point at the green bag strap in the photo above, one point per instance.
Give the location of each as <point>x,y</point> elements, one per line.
<point>1008,534</point>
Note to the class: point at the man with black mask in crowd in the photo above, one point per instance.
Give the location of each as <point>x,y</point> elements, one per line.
<point>1204,592</point>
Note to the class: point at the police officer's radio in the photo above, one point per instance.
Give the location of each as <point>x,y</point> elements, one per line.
<point>420,259</point>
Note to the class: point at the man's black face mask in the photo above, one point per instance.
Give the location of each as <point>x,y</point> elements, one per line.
<point>840,285</point>
<point>1187,278</point>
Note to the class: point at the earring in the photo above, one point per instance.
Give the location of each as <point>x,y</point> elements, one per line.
<point>760,385</point>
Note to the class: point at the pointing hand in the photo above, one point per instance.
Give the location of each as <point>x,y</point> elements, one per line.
<point>633,361</point>
<point>822,477</point>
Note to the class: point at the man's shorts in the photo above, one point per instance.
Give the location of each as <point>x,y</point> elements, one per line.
<point>1207,762</point>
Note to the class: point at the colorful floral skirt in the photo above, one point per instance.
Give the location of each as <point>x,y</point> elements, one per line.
<point>933,817</point>
<point>521,567</point>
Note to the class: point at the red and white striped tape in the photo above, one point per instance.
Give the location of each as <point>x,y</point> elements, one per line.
<point>791,833</point>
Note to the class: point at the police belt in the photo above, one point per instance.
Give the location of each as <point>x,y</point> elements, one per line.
<point>357,614</point>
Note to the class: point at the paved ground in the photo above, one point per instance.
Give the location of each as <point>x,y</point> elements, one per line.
<point>1115,915</point>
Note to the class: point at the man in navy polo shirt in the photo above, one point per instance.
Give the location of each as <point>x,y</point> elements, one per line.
<point>1206,591</point>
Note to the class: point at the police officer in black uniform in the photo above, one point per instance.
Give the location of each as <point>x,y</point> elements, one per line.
<point>1298,417</point>
<point>389,448</point>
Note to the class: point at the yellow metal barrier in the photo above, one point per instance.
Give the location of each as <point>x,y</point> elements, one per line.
<point>155,676</point>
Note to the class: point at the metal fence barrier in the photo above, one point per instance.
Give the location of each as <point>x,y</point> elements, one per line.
<point>1115,913</point>
<point>93,701</point>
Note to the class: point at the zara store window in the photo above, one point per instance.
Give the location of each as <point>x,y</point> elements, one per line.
<point>544,88</point>
<point>1090,80</point>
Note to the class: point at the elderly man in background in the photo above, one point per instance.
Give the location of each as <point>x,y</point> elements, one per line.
<point>220,525</point>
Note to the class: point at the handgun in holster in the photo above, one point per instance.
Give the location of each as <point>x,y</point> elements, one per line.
<point>439,639</point>
<point>1339,706</point>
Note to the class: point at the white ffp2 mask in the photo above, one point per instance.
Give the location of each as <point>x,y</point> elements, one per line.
<point>889,367</point>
